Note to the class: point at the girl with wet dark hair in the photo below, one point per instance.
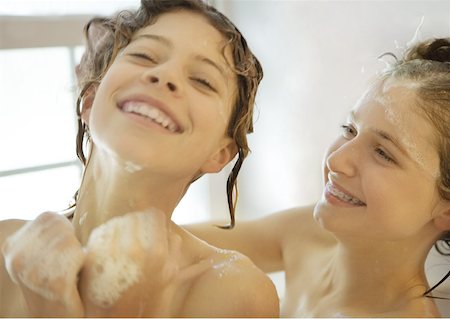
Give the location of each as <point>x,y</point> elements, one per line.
<point>167,95</point>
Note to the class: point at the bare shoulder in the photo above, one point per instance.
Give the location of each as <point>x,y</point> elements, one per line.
<point>420,307</point>
<point>299,223</point>
<point>232,287</point>
<point>297,216</point>
<point>11,300</point>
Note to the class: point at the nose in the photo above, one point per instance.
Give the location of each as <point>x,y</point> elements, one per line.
<point>344,159</point>
<point>154,79</point>
<point>166,76</point>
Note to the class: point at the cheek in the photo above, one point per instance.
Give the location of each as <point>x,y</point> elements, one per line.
<point>211,116</point>
<point>392,203</point>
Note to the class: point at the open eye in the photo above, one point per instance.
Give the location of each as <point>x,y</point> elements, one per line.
<point>384,155</point>
<point>348,131</point>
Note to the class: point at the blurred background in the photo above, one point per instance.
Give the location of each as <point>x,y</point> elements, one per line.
<point>318,57</point>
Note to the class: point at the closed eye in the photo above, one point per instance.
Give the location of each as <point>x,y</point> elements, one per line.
<point>204,83</point>
<point>143,56</point>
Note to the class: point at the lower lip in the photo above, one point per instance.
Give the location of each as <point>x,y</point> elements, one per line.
<point>147,122</point>
<point>336,201</point>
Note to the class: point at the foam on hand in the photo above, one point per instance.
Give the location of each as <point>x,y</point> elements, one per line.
<point>114,270</point>
<point>39,262</point>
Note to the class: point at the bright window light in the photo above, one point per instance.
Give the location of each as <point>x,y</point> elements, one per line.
<point>64,7</point>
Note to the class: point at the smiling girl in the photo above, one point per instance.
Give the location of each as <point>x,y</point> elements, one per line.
<point>360,251</point>
<point>167,95</point>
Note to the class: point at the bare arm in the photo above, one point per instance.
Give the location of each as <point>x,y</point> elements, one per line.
<point>262,240</point>
<point>12,303</point>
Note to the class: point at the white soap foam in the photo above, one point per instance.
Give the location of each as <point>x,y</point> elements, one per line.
<point>44,261</point>
<point>82,218</point>
<point>416,37</point>
<point>131,167</point>
<point>397,119</point>
<point>227,265</point>
<point>111,278</point>
<point>405,138</point>
<point>114,273</point>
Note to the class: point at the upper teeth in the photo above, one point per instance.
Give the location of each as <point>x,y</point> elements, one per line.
<point>151,112</point>
<point>343,196</point>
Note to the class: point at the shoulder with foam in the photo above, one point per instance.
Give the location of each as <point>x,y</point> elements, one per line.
<point>232,287</point>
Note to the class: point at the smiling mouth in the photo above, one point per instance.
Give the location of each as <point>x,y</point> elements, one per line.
<point>330,188</point>
<point>152,113</point>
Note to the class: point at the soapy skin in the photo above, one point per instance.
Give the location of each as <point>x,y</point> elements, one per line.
<point>126,256</point>
<point>44,258</point>
<point>134,265</point>
<point>126,260</point>
<point>112,252</point>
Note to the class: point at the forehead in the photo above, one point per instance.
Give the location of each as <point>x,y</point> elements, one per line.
<point>392,106</point>
<point>189,28</point>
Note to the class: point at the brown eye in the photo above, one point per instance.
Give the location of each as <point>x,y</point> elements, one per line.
<point>384,155</point>
<point>348,131</point>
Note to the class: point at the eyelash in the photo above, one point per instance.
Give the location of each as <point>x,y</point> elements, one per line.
<point>348,129</point>
<point>203,82</point>
<point>144,57</point>
<point>383,155</point>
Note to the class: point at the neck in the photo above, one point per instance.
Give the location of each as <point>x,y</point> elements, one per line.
<point>112,187</point>
<point>378,275</point>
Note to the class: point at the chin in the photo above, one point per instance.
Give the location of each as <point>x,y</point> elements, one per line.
<point>335,219</point>
<point>322,214</point>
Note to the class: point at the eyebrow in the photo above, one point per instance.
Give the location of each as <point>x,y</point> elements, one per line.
<point>157,38</point>
<point>211,63</point>
<point>386,136</point>
<point>166,42</point>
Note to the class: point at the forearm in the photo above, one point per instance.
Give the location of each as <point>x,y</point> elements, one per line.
<point>251,238</point>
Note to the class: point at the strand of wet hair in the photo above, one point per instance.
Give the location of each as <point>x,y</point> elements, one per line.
<point>232,185</point>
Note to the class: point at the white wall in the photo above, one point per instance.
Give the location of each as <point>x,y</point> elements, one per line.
<point>317,57</point>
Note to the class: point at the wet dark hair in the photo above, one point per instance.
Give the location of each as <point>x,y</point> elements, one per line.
<point>105,37</point>
<point>428,64</point>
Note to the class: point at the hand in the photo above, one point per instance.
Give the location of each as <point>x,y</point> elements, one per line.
<point>44,258</point>
<point>132,267</point>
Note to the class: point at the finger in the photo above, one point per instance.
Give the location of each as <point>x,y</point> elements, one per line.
<point>193,271</point>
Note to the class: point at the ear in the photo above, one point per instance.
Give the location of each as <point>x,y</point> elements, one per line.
<point>221,157</point>
<point>442,221</point>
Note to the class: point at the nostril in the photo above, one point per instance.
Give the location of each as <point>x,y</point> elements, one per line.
<point>154,79</point>
<point>171,86</point>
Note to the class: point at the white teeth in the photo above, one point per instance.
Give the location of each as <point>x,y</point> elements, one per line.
<point>151,112</point>
<point>343,196</point>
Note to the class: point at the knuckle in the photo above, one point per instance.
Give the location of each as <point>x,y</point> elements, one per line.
<point>45,217</point>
